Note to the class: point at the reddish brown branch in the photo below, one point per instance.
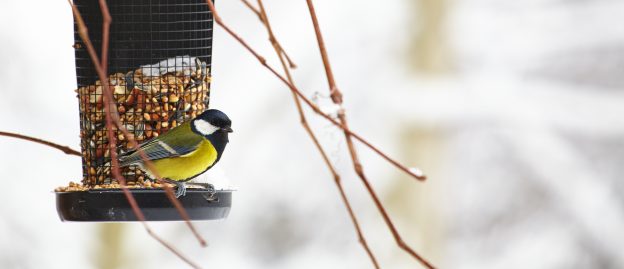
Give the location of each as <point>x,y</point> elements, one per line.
<point>170,247</point>
<point>65,149</point>
<point>344,127</point>
<point>274,42</point>
<point>115,116</point>
<point>337,99</point>
<point>357,166</point>
<point>305,99</point>
<point>106,21</point>
<point>336,96</point>
<point>254,10</point>
<point>281,52</point>
<point>112,117</point>
<point>278,50</point>
<point>168,190</point>
<point>291,64</point>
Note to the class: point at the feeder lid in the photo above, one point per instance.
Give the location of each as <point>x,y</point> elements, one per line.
<point>111,205</point>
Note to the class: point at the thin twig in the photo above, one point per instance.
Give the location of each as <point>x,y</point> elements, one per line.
<point>274,42</point>
<point>254,10</point>
<point>277,46</point>
<point>67,150</point>
<point>336,96</point>
<point>113,117</point>
<point>106,21</point>
<point>306,100</point>
<point>316,109</point>
<point>291,64</point>
<point>168,190</point>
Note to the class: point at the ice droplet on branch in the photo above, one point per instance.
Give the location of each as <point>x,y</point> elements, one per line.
<point>416,171</point>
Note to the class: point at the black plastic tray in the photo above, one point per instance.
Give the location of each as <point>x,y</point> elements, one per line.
<point>111,205</point>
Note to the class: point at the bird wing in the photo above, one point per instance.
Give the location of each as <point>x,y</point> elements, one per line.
<point>178,141</point>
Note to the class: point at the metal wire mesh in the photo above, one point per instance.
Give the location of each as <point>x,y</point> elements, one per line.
<point>159,66</point>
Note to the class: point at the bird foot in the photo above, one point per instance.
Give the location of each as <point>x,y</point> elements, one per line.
<point>180,188</point>
<point>211,195</point>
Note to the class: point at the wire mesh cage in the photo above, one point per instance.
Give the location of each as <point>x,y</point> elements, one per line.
<point>159,67</point>
<point>160,55</point>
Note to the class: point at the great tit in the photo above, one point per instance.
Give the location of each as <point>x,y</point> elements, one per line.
<point>185,151</point>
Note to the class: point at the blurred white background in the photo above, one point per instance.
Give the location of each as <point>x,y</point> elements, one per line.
<point>513,108</point>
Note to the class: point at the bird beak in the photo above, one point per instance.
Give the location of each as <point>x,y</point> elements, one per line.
<point>227,129</point>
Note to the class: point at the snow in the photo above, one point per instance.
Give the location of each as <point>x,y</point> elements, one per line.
<point>175,64</point>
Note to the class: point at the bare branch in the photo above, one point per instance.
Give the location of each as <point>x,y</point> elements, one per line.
<point>168,190</point>
<point>127,135</point>
<point>306,100</point>
<point>67,150</point>
<point>278,49</point>
<point>112,117</point>
<point>336,96</point>
<point>170,247</point>
<point>254,10</point>
<point>274,42</point>
<point>106,21</point>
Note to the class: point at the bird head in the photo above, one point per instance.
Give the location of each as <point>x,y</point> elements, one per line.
<point>210,122</point>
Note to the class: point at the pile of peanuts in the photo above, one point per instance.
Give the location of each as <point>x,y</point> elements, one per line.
<point>131,185</point>
<point>148,105</point>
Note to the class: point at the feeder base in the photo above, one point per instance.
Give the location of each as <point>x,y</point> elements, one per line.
<point>111,205</point>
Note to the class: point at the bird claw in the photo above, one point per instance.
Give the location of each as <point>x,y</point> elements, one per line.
<point>180,189</point>
<point>210,195</point>
<point>211,189</point>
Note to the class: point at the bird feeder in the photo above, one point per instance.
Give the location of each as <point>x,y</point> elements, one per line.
<point>159,68</point>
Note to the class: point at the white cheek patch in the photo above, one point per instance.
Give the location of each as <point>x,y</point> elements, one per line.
<point>205,127</point>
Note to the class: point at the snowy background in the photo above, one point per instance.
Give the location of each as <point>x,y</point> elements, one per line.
<point>514,109</point>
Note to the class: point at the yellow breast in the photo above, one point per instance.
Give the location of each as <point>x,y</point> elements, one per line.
<point>187,166</point>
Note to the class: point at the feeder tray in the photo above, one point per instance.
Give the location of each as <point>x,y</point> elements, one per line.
<point>111,205</point>
<point>159,68</point>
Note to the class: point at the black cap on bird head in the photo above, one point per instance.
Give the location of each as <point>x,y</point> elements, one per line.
<point>210,122</point>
